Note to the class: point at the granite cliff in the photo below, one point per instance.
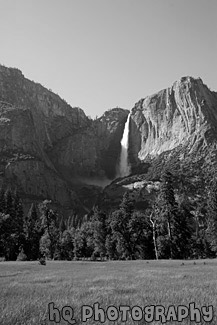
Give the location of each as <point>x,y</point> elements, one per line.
<point>176,129</point>
<point>184,114</point>
<point>49,149</point>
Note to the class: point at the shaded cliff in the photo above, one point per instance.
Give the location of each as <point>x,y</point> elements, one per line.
<point>48,149</point>
<point>91,152</point>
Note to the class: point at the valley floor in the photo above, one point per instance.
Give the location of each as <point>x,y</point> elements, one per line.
<point>26,289</point>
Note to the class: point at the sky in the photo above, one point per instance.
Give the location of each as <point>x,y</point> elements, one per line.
<point>100,54</point>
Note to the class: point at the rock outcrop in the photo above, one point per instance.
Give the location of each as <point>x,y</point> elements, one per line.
<point>47,147</point>
<point>50,150</point>
<point>175,129</point>
<point>184,114</point>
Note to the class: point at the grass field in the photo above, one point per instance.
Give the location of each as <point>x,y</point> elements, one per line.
<point>26,289</point>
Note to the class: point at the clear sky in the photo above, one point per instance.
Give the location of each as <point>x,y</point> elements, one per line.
<point>99,54</point>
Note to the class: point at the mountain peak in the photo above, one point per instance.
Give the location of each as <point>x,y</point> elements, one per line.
<point>189,79</point>
<point>183,114</point>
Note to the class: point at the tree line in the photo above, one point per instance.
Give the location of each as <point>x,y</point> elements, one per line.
<point>170,229</point>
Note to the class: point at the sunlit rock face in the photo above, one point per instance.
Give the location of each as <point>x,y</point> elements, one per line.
<point>184,114</point>
<point>174,129</point>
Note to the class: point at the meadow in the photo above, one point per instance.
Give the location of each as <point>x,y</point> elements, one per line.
<point>26,289</point>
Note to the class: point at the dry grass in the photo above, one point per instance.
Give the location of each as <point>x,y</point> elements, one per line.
<point>26,288</point>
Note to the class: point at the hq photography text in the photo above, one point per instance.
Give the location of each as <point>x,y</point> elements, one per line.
<point>125,313</point>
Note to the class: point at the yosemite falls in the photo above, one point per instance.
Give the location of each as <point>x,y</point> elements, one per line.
<point>124,166</point>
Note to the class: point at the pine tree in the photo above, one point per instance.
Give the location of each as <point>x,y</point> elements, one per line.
<point>13,228</point>
<point>2,200</point>
<point>62,226</point>
<point>141,235</point>
<point>110,245</point>
<point>9,208</point>
<point>182,233</point>
<point>33,233</point>
<point>78,244</point>
<point>5,236</point>
<point>99,232</point>
<point>127,205</point>
<point>212,215</point>
<point>173,223</point>
<point>123,226</point>
<point>66,245</point>
<point>18,220</point>
<point>83,241</point>
<point>50,226</point>
<point>168,211</point>
<point>119,225</point>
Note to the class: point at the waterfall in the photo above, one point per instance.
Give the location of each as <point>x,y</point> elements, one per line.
<point>124,166</point>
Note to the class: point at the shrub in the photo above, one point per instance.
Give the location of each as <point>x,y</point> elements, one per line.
<point>21,256</point>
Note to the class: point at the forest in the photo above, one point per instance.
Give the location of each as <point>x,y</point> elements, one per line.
<point>169,229</point>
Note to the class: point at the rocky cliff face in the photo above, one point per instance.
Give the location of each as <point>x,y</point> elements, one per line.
<point>92,151</point>
<point>47,146</point>
<point>184,114</point>
<point>50,150</point>
<point>175,129</point>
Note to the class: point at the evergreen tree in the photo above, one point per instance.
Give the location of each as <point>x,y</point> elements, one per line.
<point>127,205</point>
<point>78,244</point>
<point>66,245</point>
<point>212,215</point>
<point>131,231</point>
<point>119,222</point>
<point>99,232</point>
<point>172,224</point>
<point>2,200</point>
<point>18,221</point>
<point>169,207</point>
<point>83,241</point>
<point>110,245</point>
<point>6,245</point>
<point>50,226</point>
<point>182,233</point>
<point>33,233</point>
<point>9,207</point>
<point>62,226</point>
<point>141,235</point>
<point>44,246</point>
<point>12,236</point>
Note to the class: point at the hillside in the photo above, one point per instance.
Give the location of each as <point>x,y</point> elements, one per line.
<point>49,149</point>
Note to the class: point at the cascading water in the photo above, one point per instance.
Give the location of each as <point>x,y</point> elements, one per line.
<point>124,166</point>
